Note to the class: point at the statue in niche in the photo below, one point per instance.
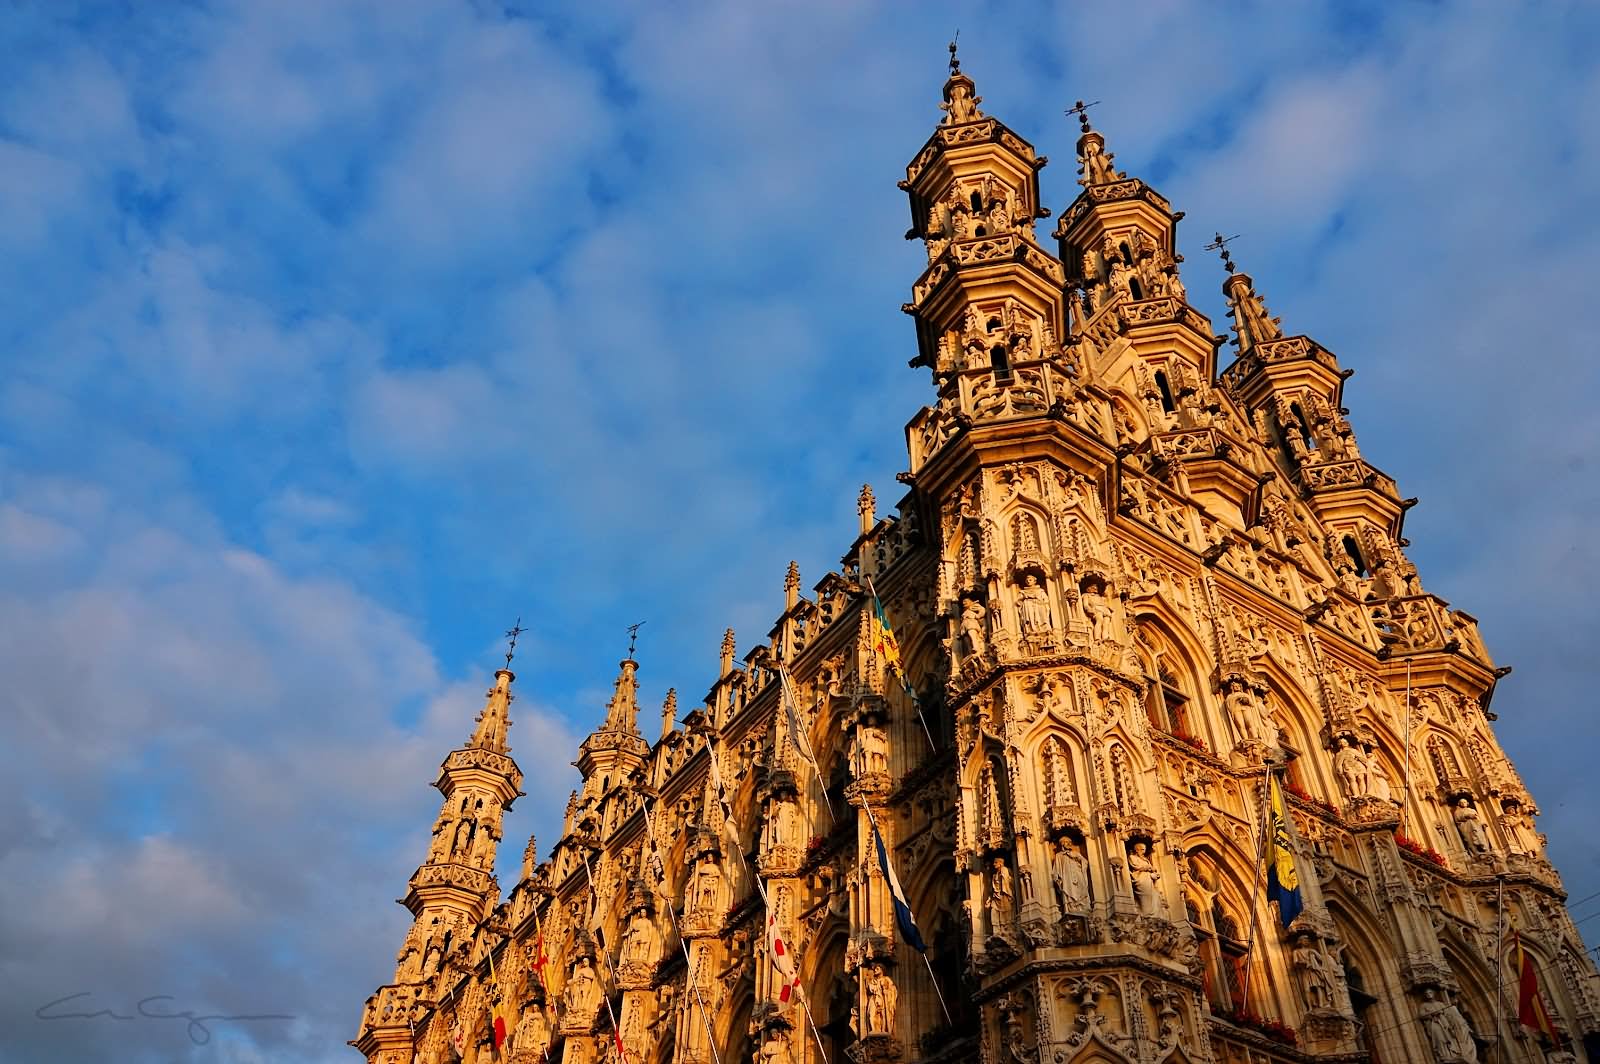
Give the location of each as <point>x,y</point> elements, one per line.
<point>882,998</point>
<point>582,987</point>
<point>532,1034</point>
<point>1002,899</point>
<point>1449,1034</point>
<point>1033,605</point>
<point>706,890</point>
<point>1469,822</point>
<point>1244,710</point>
<point>1316,979</point>
<point>874,749</point>
<point>1070,874</point>
<point>641,938</point>
<point>462,842</point>
<point>1098,610</point>
<point>974,629</point>
<point>1146,881</point>
<point>1378,780</point>
<point>1353,769</point>
<point>441,839</point>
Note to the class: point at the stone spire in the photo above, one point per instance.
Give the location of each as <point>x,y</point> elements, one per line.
<point>495,719</point>
<point>622,712</point>
<point>866,508</point>
<point>725,662</point>
<point>791,586</point>
<point>1252,323</point>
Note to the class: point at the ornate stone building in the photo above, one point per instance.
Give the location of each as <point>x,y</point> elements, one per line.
<point>1126,588</point>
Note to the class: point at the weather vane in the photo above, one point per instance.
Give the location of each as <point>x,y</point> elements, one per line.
<point>955,64</point>
<point>1220,245</point>
<point>511,634</point>
<point>1081,109</point>
<point>633,637</point>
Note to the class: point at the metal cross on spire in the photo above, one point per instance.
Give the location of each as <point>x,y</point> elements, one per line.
<point>1220,245</point>
<point>633,637</point>
<point>1081,109</point>
<point>955,64</point>
<point>511,634</point>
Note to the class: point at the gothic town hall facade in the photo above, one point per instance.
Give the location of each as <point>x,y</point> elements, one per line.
<point>1130,597</point>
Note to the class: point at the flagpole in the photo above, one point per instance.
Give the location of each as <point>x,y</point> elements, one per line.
<point>1500,965</point>
<point>616,1028</point>
<point>1255,883</point>
<point>804,1005</point>
<point>538,966</point>
<point>791,708</point>
<point>878,838</point>
<point>688,961</point>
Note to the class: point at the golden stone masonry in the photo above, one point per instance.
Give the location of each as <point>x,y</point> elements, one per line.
<point>1123,593</point>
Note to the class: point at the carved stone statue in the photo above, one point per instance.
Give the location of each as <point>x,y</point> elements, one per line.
<point>1146,881</point>
<point>1097,169</point>
<point>579,994</point>
<point>974,629</point>
<point>531,1036</point>
<point>1002,898</point>
<point>1245,712</point>
<point>874,749</point>
<point>1353,770</point>
<point>960,104</point>
<point>1448,1032</point>
<point>1316,983</point>
<point>1469,822</point>
<point>1070,874</point>
<point>1033,606</point>
<point>706,889</point>
<point>463,838</point>
<point>641,938</point>
<point>1098,610</point>
<point>882,998</point>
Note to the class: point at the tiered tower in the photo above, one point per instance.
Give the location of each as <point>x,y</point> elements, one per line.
<point>1126,591</point>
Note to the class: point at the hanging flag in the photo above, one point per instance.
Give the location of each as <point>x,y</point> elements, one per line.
<point>902,908</point>
<point>458,1037</point>
<point>730,829</point>
<point>497,1020</point>
<point>1530,1005</point>
<point>883,640</point>
<point>797,730</point>
<point>788,978</point>
<point>1283,882</point>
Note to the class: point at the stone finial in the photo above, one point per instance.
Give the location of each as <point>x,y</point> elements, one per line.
<point>530,854</point>
<point>669,712</point>
<point>961,97</point>
<point>1252,323</point>
<point>727,652</point>
<point>867,508</point>
<point>791,586</point>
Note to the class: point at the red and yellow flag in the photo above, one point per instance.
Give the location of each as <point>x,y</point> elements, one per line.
<point>497,1020</point>
<point>1530,1006</point>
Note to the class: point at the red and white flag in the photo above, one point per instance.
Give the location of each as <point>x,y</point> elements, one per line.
<point>782,960</point>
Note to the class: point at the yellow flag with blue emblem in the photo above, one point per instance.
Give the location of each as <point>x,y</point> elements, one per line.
<point>1283,881</point>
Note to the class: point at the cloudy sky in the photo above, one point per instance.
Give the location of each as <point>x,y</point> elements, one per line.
<point>336,336</point>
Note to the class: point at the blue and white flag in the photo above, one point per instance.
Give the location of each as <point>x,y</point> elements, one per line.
<point>902,908</point>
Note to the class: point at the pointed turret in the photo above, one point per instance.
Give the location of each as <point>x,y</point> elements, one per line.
<point>495,720</point>
<point>669,712</point>
<point>616,749</point>
<point>989,308</point>
<point>1293,391</point>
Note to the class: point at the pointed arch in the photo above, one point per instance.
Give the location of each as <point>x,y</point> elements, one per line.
<point>1375,985</point>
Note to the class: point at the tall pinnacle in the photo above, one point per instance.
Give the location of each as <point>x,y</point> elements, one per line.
<point>622,712</point>
<point>490,734</point>
<point>1252,323</point>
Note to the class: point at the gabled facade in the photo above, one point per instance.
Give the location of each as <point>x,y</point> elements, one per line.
<point>1128,590</point>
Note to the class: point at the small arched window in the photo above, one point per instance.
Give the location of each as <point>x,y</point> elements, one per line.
<point>1167,402</point>
<point>1135,290</point>
<point>993,325</point>
<point>977,202</point>
<point>999,362</point>
<point>1127,255</point>
<point>1305,433</point>
<point>1352,548</point>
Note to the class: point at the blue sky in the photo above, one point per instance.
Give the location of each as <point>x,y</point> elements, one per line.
<point>335,336</point>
